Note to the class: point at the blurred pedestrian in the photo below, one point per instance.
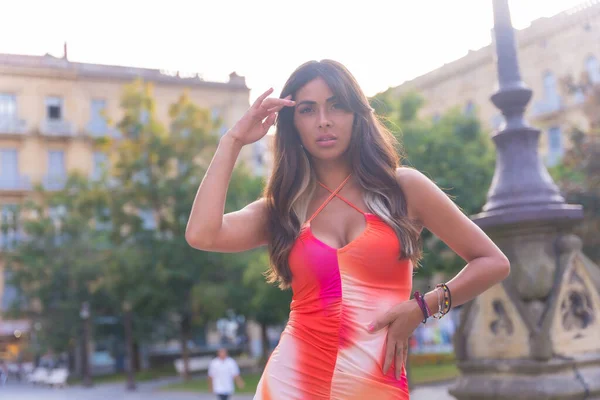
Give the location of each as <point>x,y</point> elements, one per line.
<point>3,373</point>
<point>223,372</point>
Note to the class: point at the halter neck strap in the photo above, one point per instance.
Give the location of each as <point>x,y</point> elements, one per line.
<point>334,193</point>
<point>339,196</point>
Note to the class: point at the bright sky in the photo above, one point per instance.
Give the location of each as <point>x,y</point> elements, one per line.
<point>383,43</point>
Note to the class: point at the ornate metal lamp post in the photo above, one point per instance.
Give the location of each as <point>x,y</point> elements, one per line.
<point>535,335</point>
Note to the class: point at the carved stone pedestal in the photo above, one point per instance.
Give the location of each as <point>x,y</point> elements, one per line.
<point>572,379</point>
<point>536,335</point>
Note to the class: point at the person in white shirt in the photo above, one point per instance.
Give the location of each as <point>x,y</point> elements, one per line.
<point>222,372</point>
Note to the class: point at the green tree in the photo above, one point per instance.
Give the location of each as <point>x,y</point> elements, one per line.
<point>58,264</point>
<point>158,170</point>
<point>267,304</point>
<point>578,174</point>
<point>454,151</point>
<point>578,177</point>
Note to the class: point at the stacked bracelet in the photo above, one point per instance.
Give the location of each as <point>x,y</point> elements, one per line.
<point>445,302</point>
<point>423,306</point>
<point>440,310</point>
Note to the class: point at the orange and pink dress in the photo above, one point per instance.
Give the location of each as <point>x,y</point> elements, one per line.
<point>325,350</point>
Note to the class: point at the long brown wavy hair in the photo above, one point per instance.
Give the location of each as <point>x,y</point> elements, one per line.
<point>373,156</point>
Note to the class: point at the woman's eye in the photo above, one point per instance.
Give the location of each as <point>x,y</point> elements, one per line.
<point>305,110</point>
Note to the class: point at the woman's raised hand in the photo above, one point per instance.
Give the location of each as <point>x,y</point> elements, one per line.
<point>259,118</point>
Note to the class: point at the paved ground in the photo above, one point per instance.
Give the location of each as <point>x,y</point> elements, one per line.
<point>148,391</point>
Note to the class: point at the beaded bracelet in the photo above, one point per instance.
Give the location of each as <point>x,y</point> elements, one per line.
<point>422,305</point>
<point>447,303</point>
<point>449,297</point>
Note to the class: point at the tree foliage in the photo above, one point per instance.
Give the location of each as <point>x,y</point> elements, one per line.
<point>453,150</point>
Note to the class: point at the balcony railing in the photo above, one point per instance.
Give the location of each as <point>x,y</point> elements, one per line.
<point>57,128</point>
<point>101,130</point>
<point>12,126</point>
<point>16,182</point>
<point>54,182</point>
<point>546,106</point>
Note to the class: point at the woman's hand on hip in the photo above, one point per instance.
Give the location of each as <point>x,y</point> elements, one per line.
<point>401,321</point>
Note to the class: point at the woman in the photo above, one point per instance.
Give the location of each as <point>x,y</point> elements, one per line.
<point>342,222</point>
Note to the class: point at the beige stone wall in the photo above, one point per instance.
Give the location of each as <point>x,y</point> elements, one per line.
<point>32,86</point>
<point>77,94</point>
<point>560,44</point>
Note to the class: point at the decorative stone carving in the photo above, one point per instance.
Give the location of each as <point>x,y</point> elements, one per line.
<point>575,325</point>
<point>495,328</point>
<point>502,324</point>
<point>576,308</point>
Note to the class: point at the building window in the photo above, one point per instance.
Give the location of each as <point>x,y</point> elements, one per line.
<point>550,87</point>
<point>551,101</point>
<point>56,176</point>
<point>10,294</point>
<point>54,108</point>
<point>10,233</point>
<point>8,106</point>
<point>99,166</point>
<point>97,120</point>
<point>555,146</point>
<point>57,215</point>
<point>9,164</point>
<point>469,109</point>
<point>56,162</point>
<point>592,67</point>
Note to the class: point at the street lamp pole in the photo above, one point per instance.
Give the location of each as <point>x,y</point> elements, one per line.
<point>128,325</point>
<point>85,363</point>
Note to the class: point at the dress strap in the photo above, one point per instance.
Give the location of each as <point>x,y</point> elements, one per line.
<point>339,196</point>
<point>333,194</point>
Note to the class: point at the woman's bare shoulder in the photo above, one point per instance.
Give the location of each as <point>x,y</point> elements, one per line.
<point>410,178</point>
<point>413,184</point>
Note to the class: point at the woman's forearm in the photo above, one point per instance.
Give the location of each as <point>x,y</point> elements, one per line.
<point>206,216</point>
<point>475,278</point>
